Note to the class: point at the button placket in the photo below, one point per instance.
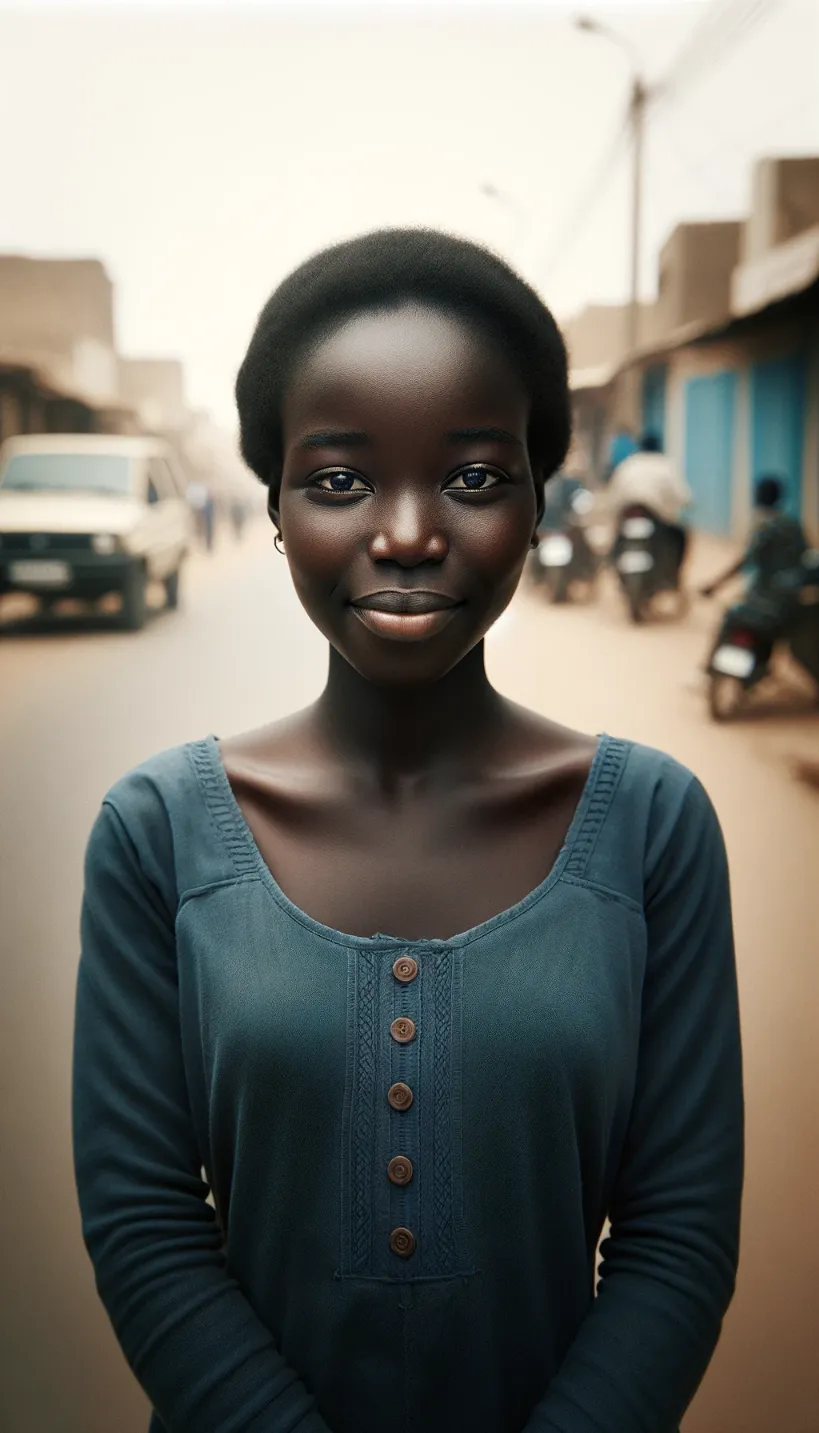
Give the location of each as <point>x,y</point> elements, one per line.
<point>404,1122</point>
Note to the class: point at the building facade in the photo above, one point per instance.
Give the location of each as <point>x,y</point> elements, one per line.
<point>731,384</point>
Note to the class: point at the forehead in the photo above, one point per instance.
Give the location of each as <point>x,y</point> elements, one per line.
<point>412,358</point>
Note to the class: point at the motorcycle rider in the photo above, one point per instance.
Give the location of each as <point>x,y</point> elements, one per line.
<point>773,563</point>
<point>567,504</point>
<point>649,479</point>
<point>558,498</point>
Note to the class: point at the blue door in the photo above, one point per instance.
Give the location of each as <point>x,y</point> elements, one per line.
<point>710,425</point>
<point>654,389</point>
<point>778,401</point>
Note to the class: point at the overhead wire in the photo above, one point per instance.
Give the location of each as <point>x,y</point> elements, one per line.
<point>725,24</point>
<point>587,201</point>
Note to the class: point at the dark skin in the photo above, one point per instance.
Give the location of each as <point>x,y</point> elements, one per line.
<point>411,799</point>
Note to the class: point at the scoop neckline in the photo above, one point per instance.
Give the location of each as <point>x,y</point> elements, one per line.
<point>227,808</point>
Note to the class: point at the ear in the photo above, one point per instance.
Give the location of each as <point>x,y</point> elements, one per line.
<point>540,483</point>
<point>273,507</point>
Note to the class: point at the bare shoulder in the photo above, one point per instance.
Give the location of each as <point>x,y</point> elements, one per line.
<point>533,748</point>
<point>279,758</point>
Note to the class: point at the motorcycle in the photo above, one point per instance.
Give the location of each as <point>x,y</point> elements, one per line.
<point>646,561</point>
<point>564,555</point>
<point>748,638</point>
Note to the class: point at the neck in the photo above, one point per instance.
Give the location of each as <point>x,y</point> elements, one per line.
<point>403,734</point>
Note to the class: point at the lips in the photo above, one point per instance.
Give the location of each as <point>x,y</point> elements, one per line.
<point>412,604</point>
<point>405,616</point>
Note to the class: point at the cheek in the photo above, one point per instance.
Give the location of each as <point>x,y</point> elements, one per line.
<point>488,544</point>
<point>495,542</point>
<point>319,542</point>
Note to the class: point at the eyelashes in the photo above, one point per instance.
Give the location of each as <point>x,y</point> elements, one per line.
<point>343,482</point>
<point>477,478</point>
<point>472,478</point>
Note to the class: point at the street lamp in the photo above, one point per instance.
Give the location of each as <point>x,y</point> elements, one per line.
<point>637,108</point>
<point>515,208</point>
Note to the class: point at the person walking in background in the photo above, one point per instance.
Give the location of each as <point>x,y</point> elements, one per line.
<point>201,500</point>
<point>209,519</point>
<point>238,516</point>
<point>421,986</point>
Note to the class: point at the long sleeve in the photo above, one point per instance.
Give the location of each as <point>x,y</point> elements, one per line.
<point>669,1264</point>
<point>205,1360</point>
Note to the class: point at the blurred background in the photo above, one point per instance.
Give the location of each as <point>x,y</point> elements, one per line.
<point>653,170</point>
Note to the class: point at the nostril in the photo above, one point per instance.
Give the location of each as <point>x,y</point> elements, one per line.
<point>409,550</point>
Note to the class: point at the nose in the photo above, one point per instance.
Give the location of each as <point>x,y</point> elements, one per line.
<point>409,534</point>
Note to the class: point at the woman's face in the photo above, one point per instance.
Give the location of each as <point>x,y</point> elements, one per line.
<point>407,501</point>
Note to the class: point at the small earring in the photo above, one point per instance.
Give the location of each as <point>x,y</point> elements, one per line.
<point>535,540</point>
<point>278,543</point>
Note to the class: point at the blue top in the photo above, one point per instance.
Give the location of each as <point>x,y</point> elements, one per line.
<point>423,1262</point>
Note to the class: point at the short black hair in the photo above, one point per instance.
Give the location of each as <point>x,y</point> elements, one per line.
<point>383,270</point>
<point>651,442</point>
<point>768,492</point>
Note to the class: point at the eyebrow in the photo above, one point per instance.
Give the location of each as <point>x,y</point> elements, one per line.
<point>482,435</point>
<point>353,438</point>
<point>334,438</point>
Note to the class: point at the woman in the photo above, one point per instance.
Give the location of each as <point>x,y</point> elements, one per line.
<point>420,985</point>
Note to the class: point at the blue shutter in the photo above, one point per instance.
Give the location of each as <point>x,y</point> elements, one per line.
<point>654,391</point>
<point>710,424</point>
<point>778,403</point>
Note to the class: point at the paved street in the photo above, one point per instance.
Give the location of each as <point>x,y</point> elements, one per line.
<point>78,707</point>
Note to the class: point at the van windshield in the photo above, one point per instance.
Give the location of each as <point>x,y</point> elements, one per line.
<point>105,473</point>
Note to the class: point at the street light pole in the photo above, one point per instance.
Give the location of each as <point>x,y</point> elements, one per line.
<point>637,109</point>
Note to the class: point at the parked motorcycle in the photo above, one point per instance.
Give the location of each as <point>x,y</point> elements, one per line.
<point>746,643</point>
<point>646,561</point>
<point>564,555</point>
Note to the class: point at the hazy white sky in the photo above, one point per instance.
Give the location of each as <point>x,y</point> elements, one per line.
<point>202,151</point>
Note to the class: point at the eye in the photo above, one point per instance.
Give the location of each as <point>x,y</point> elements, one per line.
<point>341,482</point>
<point>475,479</point>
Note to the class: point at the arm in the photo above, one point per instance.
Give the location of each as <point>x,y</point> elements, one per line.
<point>205,1360</point>
<point>754,551</point>
<point>733,571</point>
<point>669,1264</point>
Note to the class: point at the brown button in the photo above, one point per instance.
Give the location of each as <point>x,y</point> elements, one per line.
<point>405,969</point>
<point>402,1243</point>
<point>403,1030</point>
<point>400,1096</point>
<point>399,1170</point>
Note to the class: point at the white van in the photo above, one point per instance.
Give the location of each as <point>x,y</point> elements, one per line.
<point>85,515</point>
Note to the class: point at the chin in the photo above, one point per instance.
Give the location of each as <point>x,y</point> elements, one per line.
<point>417,666</point>
<point>405,660</point>
<point>387,663</point>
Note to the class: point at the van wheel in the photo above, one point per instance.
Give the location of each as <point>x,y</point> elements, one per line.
<point>134,604</point>
<point>172,590</point>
